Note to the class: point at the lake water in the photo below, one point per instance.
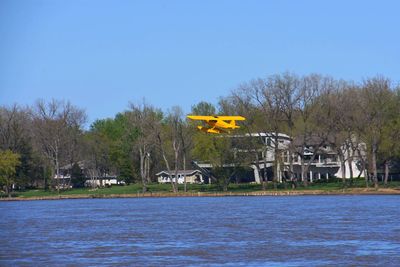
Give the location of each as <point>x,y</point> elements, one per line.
<point>203,231</point>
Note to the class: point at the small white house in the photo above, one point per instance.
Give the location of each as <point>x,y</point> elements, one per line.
<point>103,181</point>
<point>192,177</point>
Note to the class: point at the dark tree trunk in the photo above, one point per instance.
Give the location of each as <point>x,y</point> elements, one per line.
<point>363,169</point>
<point>276,161</point>
<point>291,171</point>
<point>262,180</point>
<point>142,155</point>
<point>374,168</point>
<point>343,167</point>
<point>8,189</point>
<point>225,187</point>
<point>350,154</point>
<point>45,184</point>
<point>303,173</point>
<point>265,170</point>
<point>184,172</point>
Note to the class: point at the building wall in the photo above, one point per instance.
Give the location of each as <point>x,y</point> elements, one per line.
<point>315,172</point>
<point>356,171</point>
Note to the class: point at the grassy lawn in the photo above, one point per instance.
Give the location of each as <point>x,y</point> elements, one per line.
<point>160,188</point>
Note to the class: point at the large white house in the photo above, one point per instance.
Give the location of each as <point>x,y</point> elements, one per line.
<point>321,159</point>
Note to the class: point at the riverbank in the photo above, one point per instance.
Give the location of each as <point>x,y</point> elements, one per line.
<point>348,191</point>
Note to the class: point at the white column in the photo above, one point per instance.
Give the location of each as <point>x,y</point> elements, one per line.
<point>278,169</point>
<point>256,175</point>
<point>311,178</point>
<point>319,176</point>
<point>327,176</point>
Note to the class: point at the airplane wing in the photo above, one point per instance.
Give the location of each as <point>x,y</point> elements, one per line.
<point>231,118</point>
<point>223,118</point>
<point>203,118</point>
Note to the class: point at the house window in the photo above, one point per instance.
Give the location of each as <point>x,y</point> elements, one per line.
<point>268,141</point>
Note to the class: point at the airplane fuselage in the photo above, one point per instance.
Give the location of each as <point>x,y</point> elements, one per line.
<point>221,124</point>
<point>218,124</point>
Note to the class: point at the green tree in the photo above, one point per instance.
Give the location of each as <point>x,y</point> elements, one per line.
<point>219,153</point>
<point>77,176</point>
<point>377,106</point>
<point>111,141</point>
<point>15,135</point>
<point>390,147</point>
<point>203,108</point>
<point>8,164</point>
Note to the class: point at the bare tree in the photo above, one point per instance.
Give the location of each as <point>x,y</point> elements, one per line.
<point>243,100</point>
<point>268,102</point>
<point>14,128</point>
<point>169,136</point>
<point>310,88</point>
<point>276,99</point>
<point>53,124</point>
<point>288,89</point>
<point>97,157</point>
<point>351,122</point>
<point>185,134</point>
<point>330,105</point>
<point>142,118</point>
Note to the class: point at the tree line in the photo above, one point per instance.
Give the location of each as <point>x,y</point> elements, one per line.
<point>36,141</point>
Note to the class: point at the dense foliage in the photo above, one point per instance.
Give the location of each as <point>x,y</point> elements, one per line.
<point>141,141</point>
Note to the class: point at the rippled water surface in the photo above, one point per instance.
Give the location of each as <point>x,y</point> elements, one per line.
<point>202,231</point>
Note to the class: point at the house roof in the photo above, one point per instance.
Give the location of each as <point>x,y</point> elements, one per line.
<point>312,140</point>
<point>180,172</point>
<point>264,134</point>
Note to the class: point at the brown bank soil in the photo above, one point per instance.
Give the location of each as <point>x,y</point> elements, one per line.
<point>351,191</point>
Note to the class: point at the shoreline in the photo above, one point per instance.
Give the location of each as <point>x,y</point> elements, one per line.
<point>353,191</point>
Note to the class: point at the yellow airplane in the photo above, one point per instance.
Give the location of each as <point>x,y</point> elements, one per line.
<point>219,124</point>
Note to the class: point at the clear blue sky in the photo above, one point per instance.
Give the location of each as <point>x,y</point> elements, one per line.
<point>102,54</point>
